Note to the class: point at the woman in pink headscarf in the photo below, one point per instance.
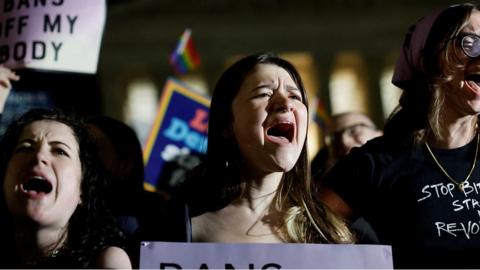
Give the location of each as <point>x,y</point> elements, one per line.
<point>419,184</point>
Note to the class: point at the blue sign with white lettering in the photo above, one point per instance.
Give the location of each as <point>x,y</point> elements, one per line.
<point>178,137</point>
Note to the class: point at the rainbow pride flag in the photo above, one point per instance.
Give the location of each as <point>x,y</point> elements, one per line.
<point>321,117</point>
<point>185,57</point>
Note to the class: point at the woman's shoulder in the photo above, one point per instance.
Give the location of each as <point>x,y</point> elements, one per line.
<point>113,258</point>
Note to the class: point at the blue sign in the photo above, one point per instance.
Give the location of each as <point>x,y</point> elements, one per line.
<point>178,137</point>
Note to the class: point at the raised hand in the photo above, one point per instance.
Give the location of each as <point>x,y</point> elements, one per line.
<point>6,76</point>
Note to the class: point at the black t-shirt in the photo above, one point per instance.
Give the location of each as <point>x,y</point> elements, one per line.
<point>411,203</point>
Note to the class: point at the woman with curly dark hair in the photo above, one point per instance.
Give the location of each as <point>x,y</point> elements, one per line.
<point>51,207</point>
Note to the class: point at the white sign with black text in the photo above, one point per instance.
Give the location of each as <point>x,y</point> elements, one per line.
<point>169,255</point>
<point>60,35</point>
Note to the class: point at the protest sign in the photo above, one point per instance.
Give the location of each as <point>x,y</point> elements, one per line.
<point>169,255</point>
<point>60,35</point>
<point>178,136</point>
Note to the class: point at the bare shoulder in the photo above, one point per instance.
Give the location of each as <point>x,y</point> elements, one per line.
<point>198,228</point>
<point>204,227</point>
<point>114,258</point>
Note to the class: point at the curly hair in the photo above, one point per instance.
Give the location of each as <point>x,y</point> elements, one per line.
<point>91,228</point>
<point>216,185</point>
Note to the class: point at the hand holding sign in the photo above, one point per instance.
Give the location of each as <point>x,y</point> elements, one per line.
<point>6,75</point>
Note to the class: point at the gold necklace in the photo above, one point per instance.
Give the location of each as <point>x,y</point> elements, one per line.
<point>460,185</point>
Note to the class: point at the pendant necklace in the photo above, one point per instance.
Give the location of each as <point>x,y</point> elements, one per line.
<point>460,184</point>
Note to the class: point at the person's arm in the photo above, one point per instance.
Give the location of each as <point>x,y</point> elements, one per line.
<point>348,188</point>
<point>335,203</point>
<point>6,76</point>
<point>114,258</point>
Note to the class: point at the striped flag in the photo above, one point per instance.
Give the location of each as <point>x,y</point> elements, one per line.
<point>322,118</point>
<point>185,57</point>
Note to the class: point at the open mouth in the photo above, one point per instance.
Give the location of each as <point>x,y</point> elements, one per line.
<point>283,131</point>
<point>473,83</point>
<point>37,184</point>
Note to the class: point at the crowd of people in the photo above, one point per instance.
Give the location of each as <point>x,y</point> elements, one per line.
<point>72,187</point>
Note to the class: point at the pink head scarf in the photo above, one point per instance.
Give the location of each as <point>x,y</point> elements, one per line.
<point>408,68</point>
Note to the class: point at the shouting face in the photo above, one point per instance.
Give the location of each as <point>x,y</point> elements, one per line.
<point>269,120</point>
<point>43,176</point>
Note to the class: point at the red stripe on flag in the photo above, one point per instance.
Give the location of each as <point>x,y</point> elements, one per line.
<point>185,57</point>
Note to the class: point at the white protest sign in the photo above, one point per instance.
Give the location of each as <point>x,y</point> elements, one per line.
<point>169,255</point>
<point>61,35</point>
